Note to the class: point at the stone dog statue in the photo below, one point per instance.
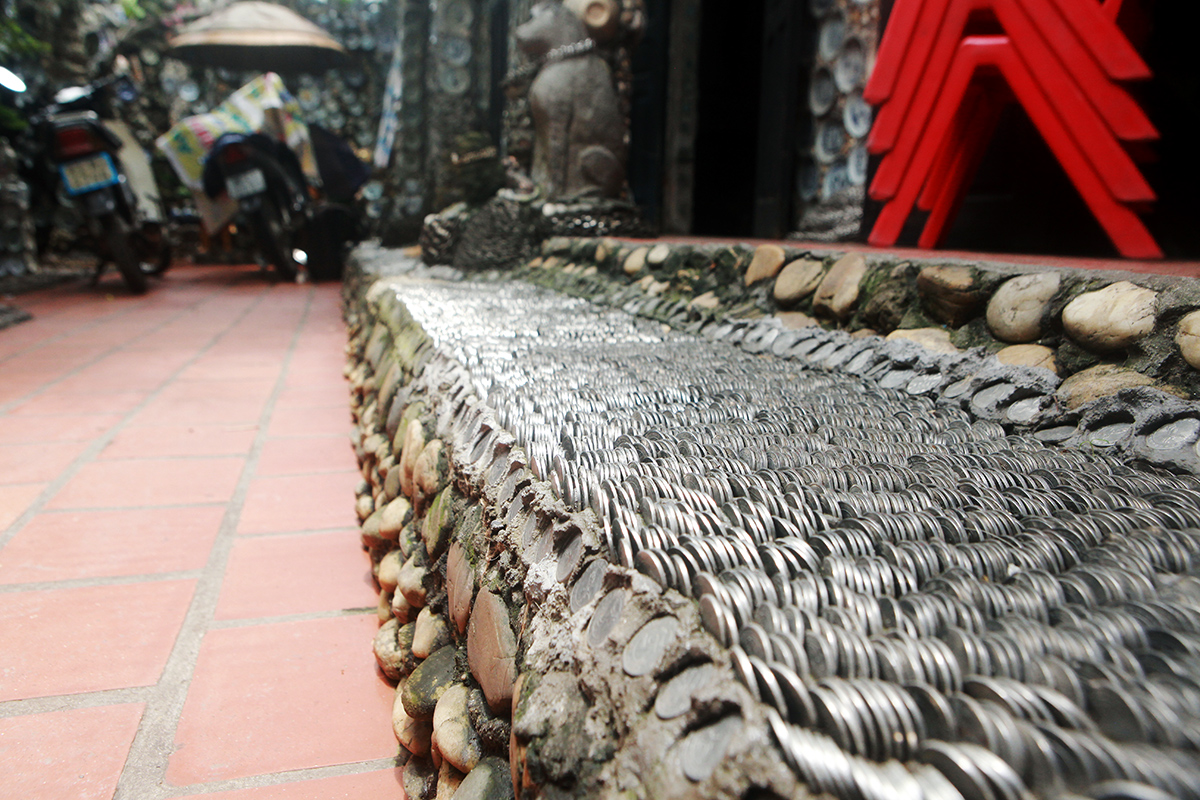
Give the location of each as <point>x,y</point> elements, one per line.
<point>579,131</point>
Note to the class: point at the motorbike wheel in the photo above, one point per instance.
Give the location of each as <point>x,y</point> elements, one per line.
<point>123,252</point>
<point>155,249</point>
<point>274,239</point>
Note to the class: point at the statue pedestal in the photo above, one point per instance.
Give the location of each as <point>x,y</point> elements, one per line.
<point>508,229</point>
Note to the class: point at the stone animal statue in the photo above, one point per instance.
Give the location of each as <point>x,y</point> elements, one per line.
<point>579,130</point>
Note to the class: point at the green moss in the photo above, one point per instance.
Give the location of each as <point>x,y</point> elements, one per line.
<point>976,334</point>
<point>1072,358</point>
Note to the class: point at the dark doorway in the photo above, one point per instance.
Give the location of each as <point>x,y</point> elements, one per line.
<point>648,111</point>
<point>1165,35</point>
<point>730,82</point>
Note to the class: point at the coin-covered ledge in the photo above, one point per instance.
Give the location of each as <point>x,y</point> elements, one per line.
<point>854,575</point>
<point>523,659</point>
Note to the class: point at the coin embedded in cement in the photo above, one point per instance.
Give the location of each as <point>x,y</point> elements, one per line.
<point>588,584</point>
<point>700,753</point>
<point>647,646</point>
<point>607,615</point>
<point>675,698</point>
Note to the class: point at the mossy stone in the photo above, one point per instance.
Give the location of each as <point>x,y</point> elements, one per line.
<point>429,681</point>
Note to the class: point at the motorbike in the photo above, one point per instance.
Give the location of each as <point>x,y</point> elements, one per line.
<point>78,150</point>
<point>263,176</point>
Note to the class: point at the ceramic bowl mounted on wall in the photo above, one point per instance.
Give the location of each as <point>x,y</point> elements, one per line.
<point>602,17</point>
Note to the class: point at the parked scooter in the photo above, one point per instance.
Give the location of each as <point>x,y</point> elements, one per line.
<point>264,177</point>
<point>78,148</point>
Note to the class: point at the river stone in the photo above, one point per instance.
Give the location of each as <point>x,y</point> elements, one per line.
<point>935,339</point>
<point>439,523</point>
<point>1018,308</point>
<point>431,468</point>
<point>1099,381</point>
<point>391,479</point>
<point>383,607</point>
<point>493,729</point>
<point>388,651</point>
<point>460,586</point>
<point>838,291</point>
<point>492,650</point>
<point>795,320</point>
<point>1188,339</point>
<point>364,506</point>
<point>708,300</point>
<point>411,582</point>
<point>490,780</point>
<point>951,293</point>
<point>797,281</point>
<point>1111,318</point>
<point>414,443</point>
<point>370,534</point>
<point>394,516</point>
<point>456,740</point>
<point>429,681</point>
<point>1028,355</point>
<point>431,633</point>
<point>389,571</point>
<point>768,260</point>
<point>413,734</point>
<point>448,782</point>
<point>401,609</point>
<point>658,254</point>
<point>419,779</point>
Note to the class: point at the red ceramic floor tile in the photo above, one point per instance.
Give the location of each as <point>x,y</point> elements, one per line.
<point>249,367</point>
<point>32,430</point>
<point>68,545</point>
<point>272,698</point>
<point>379,785</point>
<point>77,754</point>
<point>30,463</point>
<point>89,639</point>
<point>55,402</point>
<point>150,482</point>
<point>300,503</point>
<point>264,576</point>
<point>231,406</point>
<point>328,394</point>
<point>14,500</point>
<point>324,421</point>
<point>302,456</point>
<point>138,441</point>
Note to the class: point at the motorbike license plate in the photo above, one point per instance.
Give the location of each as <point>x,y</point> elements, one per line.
<point>88,174</point>
<point>246,183</point>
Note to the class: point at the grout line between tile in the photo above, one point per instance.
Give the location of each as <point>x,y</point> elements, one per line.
<point>280,778</point>
<point>144,773</point>
<point>348,530</point>
<point>100,580</point>
<point>70,702</point>
<point>251,622</point>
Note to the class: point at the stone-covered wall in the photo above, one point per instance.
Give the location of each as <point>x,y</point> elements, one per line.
<point>1097,331</point>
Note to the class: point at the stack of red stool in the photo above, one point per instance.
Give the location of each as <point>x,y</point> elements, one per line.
<point>943,76</point>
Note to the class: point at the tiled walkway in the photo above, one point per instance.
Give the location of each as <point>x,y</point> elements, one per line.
<point>184,608</point>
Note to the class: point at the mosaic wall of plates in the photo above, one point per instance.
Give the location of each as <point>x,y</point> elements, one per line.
<point>831,183</point>
<point>346,100</point>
